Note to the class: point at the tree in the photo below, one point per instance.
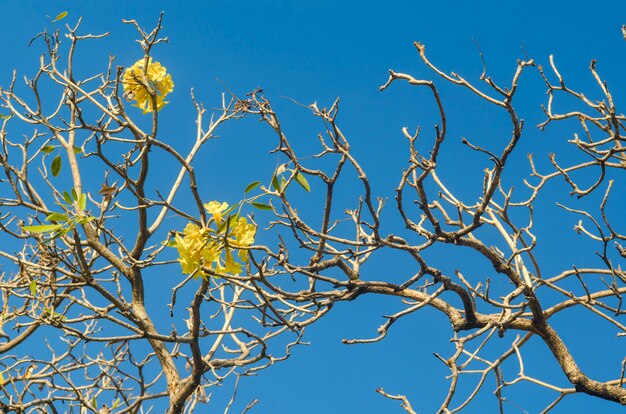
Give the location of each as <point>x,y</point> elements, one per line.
<point>80,268</point>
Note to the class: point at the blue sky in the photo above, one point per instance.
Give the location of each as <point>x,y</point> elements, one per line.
<point>316,51</point>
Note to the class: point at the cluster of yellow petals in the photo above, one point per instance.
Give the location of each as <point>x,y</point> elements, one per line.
<point>138,78</point>
<point>195,248</point>
<point>215,208</point>
<point>206,247</point>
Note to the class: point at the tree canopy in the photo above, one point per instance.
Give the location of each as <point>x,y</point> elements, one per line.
<point>143,269</point>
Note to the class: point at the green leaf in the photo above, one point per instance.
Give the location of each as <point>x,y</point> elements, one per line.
<point>43,228</point>
<point>94,402</point>
<point>56,217</point>
<point>60,16</point>
<point>170,243</point>
<point>3,116</point>
<point>303,182</point>
<point>261,206</point>
<point>82,201</point>
<point>84,219</point>
<point>222,226</point>
<point>77,150</point>
<point>251,186</point>
<point>67,197</point>
<point>56,166</point>
<point>115,404</point>
<point>33,287</point>
<point>74,194</point>
<point>275,183</point>
<point>54,315</point>
<point>57,234</point>
<point>232,220</point>
<point>230,209</point>
<point>47,149</point>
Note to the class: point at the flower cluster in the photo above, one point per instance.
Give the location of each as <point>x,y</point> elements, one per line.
<point>212,248</point>
<point>138,80</point>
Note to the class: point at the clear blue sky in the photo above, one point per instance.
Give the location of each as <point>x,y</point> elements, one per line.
<point>316,51</point>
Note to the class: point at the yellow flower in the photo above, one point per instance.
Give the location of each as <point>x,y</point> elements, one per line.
<point>202,247</point>
<point>243,232</point>
<point>244,236</point>
<point>211,254</point>
<point>216,209</point>
<point>137,79</point>
<point>194,249</point>
<point>230,266</point>
<point>243,255</point>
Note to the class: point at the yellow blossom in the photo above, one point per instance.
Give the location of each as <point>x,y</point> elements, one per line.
<point>243,255</point>
<point>243,232</point>
<point>211,254</point>
<point>216,209</point>
<point>204,247</point>
<point>230,266</point>
<point>190,248</point>
<point>137,78</point>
